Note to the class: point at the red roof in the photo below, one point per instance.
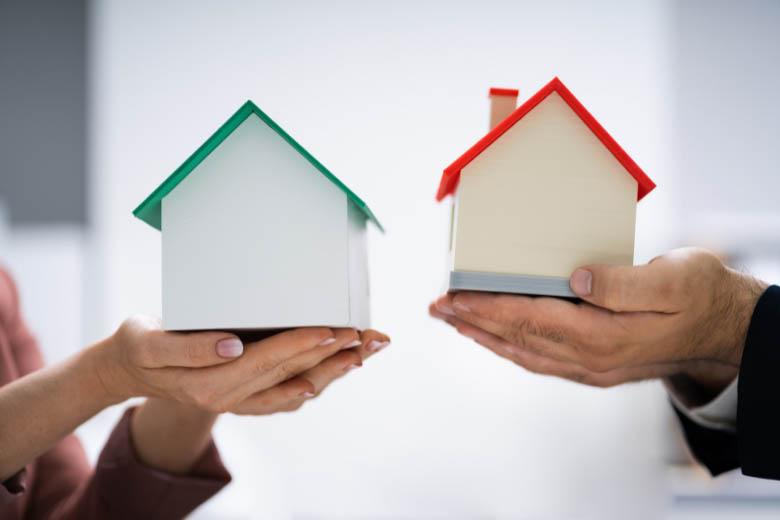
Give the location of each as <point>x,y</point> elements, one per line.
<point>451,176</point>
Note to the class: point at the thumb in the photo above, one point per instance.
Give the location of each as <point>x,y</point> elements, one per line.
<point>623,288</point>
<point>192,349</point>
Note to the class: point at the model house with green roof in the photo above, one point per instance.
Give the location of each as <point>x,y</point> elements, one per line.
<point>258,234</point>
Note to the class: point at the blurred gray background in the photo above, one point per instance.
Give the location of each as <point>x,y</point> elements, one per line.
<point>43,109</point>
<point>100,101</point>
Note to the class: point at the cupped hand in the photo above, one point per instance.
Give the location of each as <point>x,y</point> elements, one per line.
<point>216,372</point>
<point>682,312</point>
<point>293,393</point>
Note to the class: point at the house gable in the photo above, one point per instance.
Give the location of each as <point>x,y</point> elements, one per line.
<point>150,209</point>
<point>545,197</point>
<point>254,218</point>
<point>451,176</point>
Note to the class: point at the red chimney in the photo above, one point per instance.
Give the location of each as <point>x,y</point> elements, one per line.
<point>503,102</point>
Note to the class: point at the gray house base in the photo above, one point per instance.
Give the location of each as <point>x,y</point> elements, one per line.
<point>510,283</point>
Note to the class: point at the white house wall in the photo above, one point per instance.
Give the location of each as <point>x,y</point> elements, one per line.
<point>359,294</point>
<point>544,198</point>
<point>254,237</point>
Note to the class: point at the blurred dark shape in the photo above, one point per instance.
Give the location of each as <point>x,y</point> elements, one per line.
<point>43,100</point>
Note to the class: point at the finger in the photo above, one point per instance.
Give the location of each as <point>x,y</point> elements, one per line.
<point>443,305</point>
<point>539,364</point>
<point>276,398</point>
<point>259,363</point>
<point>523,357</point>
<point>499,346</point>
<point>189,349</point>
<point>544,325</point>
<point>332,368</point>
<point>434,312</point>
<point>588,335</point>
<point>264,356</point>
<point>626,288</point>
<point>553,327</point>
<point>347,340</point>
<point>286,395</point>
<point>265,373</point>
<point>372,341</point>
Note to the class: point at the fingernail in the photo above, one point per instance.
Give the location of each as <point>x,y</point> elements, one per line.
<point>445,308</point>
<point>327,342</point>
<point>350,368</point>
<point>461,307</point>
<point>230,347</point>
<point>376,346</point>
<point>352,344</point>
<point>581,282</point>
<point>307,394</point>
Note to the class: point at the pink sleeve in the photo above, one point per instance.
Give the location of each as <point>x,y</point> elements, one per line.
<point>61,484</point>
<point>122,487</point>
<point>22,346</point>
<point>19,355</point>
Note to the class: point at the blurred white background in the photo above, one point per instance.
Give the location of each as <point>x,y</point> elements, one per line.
<point>386,96</point>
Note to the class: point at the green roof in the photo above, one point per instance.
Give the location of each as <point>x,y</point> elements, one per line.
<point>150,209</point>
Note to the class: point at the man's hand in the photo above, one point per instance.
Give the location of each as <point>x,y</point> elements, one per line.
<point>684,312</point>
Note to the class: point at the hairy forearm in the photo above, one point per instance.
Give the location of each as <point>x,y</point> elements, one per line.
<point>743,294</point>
<point>39,409</point>
<point>170,436</point>
<point>711,376</point>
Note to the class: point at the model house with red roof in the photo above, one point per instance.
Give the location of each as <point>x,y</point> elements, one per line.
<point>258,234</point>
<point>545,191</point>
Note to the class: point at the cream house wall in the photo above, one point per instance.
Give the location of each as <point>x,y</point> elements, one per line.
<point>543,199</point>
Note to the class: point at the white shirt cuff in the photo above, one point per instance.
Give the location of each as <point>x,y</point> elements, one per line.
<point>718,414</point>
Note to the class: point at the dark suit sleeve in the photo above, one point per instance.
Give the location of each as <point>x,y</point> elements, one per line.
<point>758,405</point>
<point>716,449</point>
<point>755,447</point>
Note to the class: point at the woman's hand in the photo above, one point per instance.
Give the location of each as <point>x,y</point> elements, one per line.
<point>190,376</point>
<point>285,397</point>
<point>170,436</point>
<point>684,312</point>
<point>214,370</point>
